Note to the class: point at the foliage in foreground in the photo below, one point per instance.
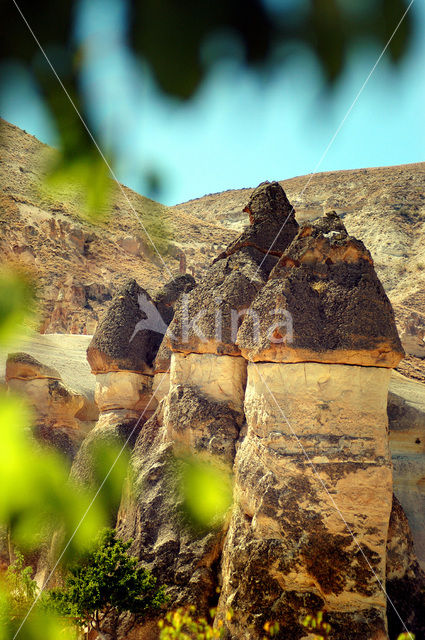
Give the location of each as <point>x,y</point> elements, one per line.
<point>183,625</point>
<point>108,581</point>
<point>20,586</point>
<point>19,616</point>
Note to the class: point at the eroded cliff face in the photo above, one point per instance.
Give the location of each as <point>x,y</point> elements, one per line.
<point>279,372</point>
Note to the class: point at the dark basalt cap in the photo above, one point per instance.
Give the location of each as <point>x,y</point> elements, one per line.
<point>272,224</point>
<point>129,335</point>
<point>166,300</point>
<point>167,297</point>
<point>323,302</point>
<point>219,301</point>
<point>267,202</point>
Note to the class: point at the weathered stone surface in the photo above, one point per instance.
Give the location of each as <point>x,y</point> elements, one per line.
<point>63,439</point>
<point>161,385</point>
<point>66,355</point>
<point>87,464</point>
<point>163,358</point>
<point>406,413</point>
<point>183,558</point>
<point>286,534</point>
<point>272,223</point>
<point>209,319</point>
<point>405,579</point>
<point>218,378</point>
<point>125,391</point>
<point>166,300</point>
<point>55,406</point>
<point>323,302</point>
<point>201,416</point>
<point>120,343</point>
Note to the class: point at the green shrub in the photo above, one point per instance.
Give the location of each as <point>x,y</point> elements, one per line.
<point>107,581</point>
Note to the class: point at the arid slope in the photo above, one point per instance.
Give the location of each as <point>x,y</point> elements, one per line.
<point>80,265</point>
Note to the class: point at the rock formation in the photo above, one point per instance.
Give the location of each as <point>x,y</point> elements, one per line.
<point>406,413</point>
<point>121,355</point>
<point>405,581</point>
<point>55,406</point>
<point>203,411</point>
<point>209,321</point>
<point>316,455</point>
<point>298,343</point>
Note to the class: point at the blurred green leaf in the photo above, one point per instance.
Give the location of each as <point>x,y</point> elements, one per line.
<point>206,491</point>
<point>84,178</point>
<point>36,496</point>
<point>17,302</point>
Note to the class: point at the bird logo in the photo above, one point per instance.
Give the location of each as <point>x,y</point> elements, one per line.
<point>152,320</point>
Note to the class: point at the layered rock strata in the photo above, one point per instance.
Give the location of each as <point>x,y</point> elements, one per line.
<point>315,459</point>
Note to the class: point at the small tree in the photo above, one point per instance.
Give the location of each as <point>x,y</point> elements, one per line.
<point>107,582</point>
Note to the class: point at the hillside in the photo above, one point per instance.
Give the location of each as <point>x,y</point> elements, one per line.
<point>79,265</point>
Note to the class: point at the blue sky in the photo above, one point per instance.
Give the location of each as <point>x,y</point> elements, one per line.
<point>239,129</point>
